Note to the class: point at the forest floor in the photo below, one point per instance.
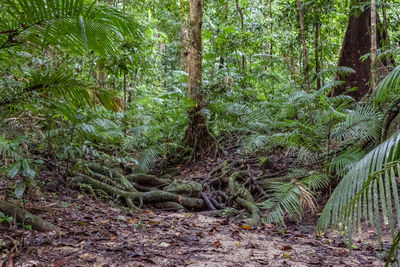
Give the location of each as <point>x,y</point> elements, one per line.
<point>97,232</point>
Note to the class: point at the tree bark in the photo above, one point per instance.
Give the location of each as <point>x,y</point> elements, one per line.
<point>317,61</point>
<point>357,43</point>
<point>240,11</point>
<point>373,45</point>
<point>197,135</point>
<point>23,216</point>
<point>125,100</point>
<point>184,36</point>
<point>305,52</point>
<point>271,44</point>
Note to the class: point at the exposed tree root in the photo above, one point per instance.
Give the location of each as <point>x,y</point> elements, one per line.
<point>25,217</point>
<point>131,196</point>
<point>229,185</point>
<point>244,198</point>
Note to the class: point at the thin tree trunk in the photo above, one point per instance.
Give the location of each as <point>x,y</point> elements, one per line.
<point>184,37</point>
<point>305,52</point>
<point>316,43</point>
<point>373,45</point>
<point>125,100</point>
<point>271,44</point>
<point>240,11</point>
<point>321,54</point>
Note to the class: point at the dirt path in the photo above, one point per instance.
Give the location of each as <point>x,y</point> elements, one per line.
<point>96,234</point>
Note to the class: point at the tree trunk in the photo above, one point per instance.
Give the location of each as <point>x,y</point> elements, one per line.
<point>125,100</point>
<point>373,45</point>
<point>305,52</point>
<point>357,43</point>
<point>271,44</point>
<point>197,135</point>
<point>240,11</point>
<point>316,43</point>
<point>184,36</point>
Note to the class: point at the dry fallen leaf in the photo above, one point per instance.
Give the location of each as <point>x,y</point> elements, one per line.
<point>149,212</point>
<point>245,227</point>
<point>112,236</point>
<point>217,244</point>
<point>134,221</point>
<point>286,248</point>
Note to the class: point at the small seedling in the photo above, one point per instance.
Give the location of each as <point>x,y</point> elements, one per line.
<point>5,218</point>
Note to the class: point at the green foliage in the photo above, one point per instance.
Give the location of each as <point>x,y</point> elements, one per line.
<point>74,24</point>
<point>368,191</point>
<point>341,164</point>
<point>388,86</point>
<point>4,218</point>
<point>290,198</point>
<point>362,124</point>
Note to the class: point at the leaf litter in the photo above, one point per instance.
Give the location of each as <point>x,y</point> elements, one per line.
<point>95,233</point>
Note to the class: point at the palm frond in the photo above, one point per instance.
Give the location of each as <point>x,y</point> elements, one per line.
<point>388,86</point>
<point>368,191</point>
<point>340,71</point>
<point>285,201</point>
<point>363,123</point>
<point>289,199</point>
<point>254,142</point>
<point>69,23</point>
<point>147,159</point>
<point>346,160</point>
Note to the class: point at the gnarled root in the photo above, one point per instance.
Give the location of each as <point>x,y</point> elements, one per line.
<point>133,196</point>
<point>244,198</point>
<point>23,216</point>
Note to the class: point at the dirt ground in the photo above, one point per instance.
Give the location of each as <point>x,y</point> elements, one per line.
<point>94,233</point>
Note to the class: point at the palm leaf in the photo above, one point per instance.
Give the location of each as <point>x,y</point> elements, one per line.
<point>368,191</point>
<point>69,23</point>
<point>388,86</point>
<point>363,123</point>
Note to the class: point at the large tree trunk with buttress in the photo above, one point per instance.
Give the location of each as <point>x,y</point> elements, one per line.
<point>197,135</point>
<point>357,43</point>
